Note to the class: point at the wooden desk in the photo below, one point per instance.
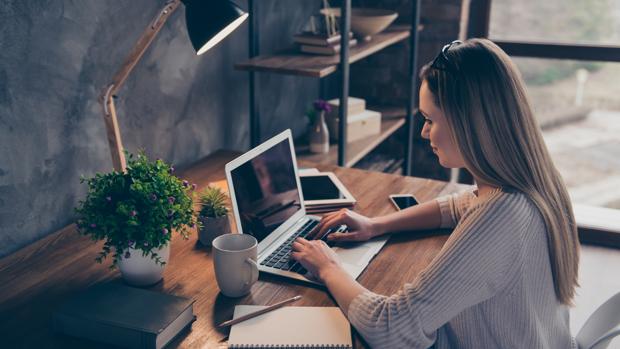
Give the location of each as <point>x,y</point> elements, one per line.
<point>34,280</point>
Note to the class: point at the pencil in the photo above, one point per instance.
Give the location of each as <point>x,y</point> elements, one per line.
<point>259,312</point>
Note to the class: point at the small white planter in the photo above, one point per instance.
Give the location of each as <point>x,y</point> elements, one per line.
<point>212,228</point>
<point>138,270</point>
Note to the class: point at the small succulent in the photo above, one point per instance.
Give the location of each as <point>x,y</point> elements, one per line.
<point>212,202</point>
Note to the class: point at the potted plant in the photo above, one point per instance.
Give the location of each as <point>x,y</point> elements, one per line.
<point>213,215</point>
<point>135,212</point>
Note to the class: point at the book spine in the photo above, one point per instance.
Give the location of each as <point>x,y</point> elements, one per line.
<point>148,341</point>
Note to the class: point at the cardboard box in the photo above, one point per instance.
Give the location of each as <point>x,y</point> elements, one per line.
<point>360,125</point>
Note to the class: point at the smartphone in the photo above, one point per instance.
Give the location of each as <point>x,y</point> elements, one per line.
<point>402,201</point>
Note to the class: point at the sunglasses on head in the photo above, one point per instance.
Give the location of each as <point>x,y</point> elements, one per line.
<point>441,62</point>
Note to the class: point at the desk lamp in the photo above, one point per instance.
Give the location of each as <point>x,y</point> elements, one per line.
<point>208,22</point>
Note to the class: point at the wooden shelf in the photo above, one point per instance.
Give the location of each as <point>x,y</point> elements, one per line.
<point>398,171</point>
<point>294,62</point>
<point>355,150</point>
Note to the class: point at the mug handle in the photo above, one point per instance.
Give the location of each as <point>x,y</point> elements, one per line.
<point>253,271</point>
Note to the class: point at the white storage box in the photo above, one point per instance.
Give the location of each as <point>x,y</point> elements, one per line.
<point>356,105</point>
<point>360,125</point>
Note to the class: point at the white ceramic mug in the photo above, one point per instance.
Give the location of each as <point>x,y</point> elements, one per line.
<point>234,261</point>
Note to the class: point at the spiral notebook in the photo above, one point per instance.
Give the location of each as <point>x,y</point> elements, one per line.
<point>291,327</point>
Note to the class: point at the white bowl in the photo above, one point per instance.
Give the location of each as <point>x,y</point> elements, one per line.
<point>366,22</point>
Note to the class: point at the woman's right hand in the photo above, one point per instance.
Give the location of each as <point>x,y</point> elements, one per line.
<point>361,228</point>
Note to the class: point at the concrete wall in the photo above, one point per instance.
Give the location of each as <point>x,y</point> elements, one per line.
<point>56,56</point>
<point>383,78</point>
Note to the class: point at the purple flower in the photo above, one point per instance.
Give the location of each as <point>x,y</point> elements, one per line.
<point>133,213</point>
<point>171,200</point>
<point>321,105</point>
<point>171,169</point>
<point>153,197</point>
<point>108,198</point>
<point>185,183</point>
<point>127,254</point>
<point>164,231</point>
<point>93,225</point>
<point>193,225</point>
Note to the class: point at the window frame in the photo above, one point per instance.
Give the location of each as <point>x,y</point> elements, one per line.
<point>607,230</point>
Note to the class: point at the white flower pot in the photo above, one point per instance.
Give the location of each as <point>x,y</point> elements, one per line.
<point>139,270</point>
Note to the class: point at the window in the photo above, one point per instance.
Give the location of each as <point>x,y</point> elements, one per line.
<point>577,104</point>
<point>568,52</point>
<point>556,21</point>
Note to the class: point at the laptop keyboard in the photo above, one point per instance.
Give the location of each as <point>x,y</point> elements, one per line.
<point>280,258</point>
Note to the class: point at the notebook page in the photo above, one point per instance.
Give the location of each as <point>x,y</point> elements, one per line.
<point>291,326</point>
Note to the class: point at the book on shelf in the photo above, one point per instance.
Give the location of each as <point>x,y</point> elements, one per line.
<point>309,38</point>
<point>326,50</point>
<point>124,316</point>
<point>291,327</point>
<point>382,162</point>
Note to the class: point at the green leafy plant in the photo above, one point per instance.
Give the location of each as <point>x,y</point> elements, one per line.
<point>138,208</point>
<point>212,203</point>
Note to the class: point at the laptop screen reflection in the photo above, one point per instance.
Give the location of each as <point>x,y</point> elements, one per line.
<point>266,191</point>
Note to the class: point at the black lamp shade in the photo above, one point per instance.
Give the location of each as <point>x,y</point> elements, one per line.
<point>210,21</point>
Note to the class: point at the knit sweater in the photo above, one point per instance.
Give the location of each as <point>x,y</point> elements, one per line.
<point>490,286</point>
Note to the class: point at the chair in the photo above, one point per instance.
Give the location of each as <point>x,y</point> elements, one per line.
<point>602,326</point>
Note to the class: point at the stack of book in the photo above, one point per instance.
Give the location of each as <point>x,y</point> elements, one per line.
<point>321,43</point>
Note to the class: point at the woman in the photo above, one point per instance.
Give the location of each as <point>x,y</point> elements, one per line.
<point>506,275</point>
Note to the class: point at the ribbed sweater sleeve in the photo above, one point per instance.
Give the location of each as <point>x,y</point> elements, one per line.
<point>452,207</point>
<point>479,259</point>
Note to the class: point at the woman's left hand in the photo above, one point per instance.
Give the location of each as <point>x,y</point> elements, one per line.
<point>315,256</point>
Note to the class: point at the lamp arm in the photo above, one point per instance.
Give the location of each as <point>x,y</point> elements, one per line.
<point>107,96</point>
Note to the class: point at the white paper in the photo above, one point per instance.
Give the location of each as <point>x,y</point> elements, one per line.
<point>291,326</point>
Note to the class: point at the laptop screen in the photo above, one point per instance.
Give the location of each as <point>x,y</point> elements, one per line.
<point>266,190</point>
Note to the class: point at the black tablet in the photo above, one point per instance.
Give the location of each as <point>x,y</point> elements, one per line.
<point>324,188</point>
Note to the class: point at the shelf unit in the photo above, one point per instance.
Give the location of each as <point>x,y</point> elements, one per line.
<point>292,62</point>
<point>357,149</point>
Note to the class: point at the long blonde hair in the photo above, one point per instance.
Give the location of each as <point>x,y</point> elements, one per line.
<point>483,98</point>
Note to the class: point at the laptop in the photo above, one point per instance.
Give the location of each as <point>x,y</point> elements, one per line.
<point>268,204</point>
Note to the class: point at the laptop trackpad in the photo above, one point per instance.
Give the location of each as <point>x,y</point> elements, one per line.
<point>354,254</point>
